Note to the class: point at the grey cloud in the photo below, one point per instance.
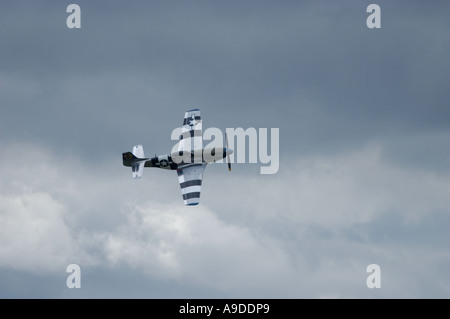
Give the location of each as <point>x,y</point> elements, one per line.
<point>364,137</point>
<point>324,225</point>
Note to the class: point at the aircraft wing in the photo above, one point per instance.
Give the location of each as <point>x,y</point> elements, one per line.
<point>191,138</point>
<point>190,179</point>
<point>190,172</point>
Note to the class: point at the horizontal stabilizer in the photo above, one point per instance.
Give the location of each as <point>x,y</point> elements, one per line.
<point>136,160</point>
<point>137,169</point>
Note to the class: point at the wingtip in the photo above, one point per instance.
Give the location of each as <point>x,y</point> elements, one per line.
<point>191,204</point>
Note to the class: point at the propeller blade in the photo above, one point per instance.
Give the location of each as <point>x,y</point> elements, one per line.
<point>228,156</point>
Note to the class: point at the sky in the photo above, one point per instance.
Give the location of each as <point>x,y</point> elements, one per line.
<point>364,148</point>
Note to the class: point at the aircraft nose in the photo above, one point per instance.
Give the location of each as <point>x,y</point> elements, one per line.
<point>228,151</point>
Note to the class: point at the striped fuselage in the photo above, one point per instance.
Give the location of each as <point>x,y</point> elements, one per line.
<point>176,160</point>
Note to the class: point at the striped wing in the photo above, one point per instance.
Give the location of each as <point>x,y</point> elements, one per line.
<point>191,138</point>
<point>190,179</point>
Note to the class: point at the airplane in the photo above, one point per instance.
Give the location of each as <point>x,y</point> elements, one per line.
<point>189,161</point>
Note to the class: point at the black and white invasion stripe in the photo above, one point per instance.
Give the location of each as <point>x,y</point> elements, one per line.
<point>190,179</point>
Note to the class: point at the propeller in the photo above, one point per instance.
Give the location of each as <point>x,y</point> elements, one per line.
<point>228,154</point>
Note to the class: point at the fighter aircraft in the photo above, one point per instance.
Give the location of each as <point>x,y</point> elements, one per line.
<point>189,161</point>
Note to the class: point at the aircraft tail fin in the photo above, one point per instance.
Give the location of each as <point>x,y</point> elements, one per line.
<point>136,160</point>
<point>138,151</point>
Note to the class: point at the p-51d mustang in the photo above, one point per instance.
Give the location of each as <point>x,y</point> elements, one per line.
<point>190,160</point>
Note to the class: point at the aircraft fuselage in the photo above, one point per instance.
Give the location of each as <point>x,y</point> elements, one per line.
<point>174,160</point>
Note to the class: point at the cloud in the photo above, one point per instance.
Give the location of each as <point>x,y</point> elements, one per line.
<point>309,232</point>
<point>363,147</point>
<point>36,213</point>
<point>345,188</point>
<point>195,246</point>
<point>33,234</point>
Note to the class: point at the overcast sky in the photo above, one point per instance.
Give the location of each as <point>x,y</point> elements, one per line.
<point>364,122</point>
